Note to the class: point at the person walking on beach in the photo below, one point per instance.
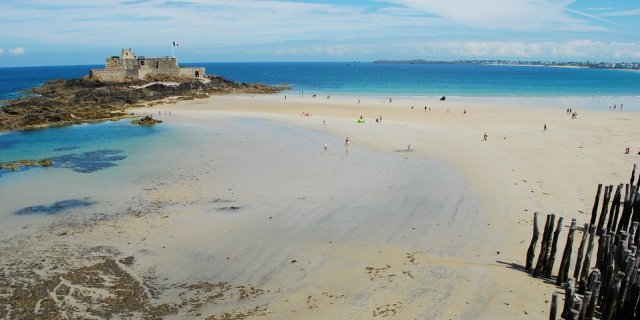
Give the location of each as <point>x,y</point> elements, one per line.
<point>545,127</point>
<point>485,136</point>
<point>346,142</point>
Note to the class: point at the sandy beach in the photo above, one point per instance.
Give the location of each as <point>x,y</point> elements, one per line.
<point>252,217</point>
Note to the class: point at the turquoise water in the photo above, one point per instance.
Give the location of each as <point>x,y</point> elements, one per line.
<point>83,149</point>
<point>363,78</point>
<point>434,79</point>
<point>96,167</point>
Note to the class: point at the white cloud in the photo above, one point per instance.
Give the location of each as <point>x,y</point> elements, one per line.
<point>1,51</point>
<point>622,13</point>
<point>17,51</point>
<point>268,29</point>
<point>521,15</point>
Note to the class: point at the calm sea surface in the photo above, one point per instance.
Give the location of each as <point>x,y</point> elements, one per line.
<point>386,79</point>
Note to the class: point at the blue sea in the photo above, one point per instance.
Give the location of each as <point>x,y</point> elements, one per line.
<point>365,78</point>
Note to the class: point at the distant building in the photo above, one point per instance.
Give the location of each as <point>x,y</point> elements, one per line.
<point>130,66</point>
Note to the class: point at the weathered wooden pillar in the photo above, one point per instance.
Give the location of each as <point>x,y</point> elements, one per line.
<point>605,207</point>
<point>587,259</point>
<point>554,306</point>
<point>629,309</point>
<point>625,218</point>
<point>544,247</point>
<point>531,254</point>
<point>594,210</point>
<point>602,250</point>
<point>632,234</point>
<point>626,282</point>
<point>585,305</point>
<point>609,304</point>
<point>563,271</point>
<point>594,299</point>
<point>583,244</point>
<point>554,249</point>
<point>569,297</point>
<point>615,208</point>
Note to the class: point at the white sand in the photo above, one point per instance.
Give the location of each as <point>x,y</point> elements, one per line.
<point>438,232</point>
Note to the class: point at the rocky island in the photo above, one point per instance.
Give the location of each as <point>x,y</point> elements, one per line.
<point>127,82</point>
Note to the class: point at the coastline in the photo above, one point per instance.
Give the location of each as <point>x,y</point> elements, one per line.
<point>436,230</point>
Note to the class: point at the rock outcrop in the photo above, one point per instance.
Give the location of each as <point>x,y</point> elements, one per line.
<point>146,121</point>
<point>64,102</point>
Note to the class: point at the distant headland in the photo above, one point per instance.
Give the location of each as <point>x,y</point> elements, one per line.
<point>128,81</point>
<point>569,64</point>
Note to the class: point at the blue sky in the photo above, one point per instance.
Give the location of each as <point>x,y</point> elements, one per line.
<point>47,32</point>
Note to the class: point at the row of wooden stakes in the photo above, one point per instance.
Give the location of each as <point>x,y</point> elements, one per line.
<point>607,285</point>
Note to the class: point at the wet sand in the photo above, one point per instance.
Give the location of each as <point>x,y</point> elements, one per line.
<point>259,221</point>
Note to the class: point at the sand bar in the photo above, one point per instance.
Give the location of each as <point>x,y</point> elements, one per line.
<point>419,217</point>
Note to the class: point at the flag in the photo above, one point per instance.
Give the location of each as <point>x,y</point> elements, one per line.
<point>175,44</point>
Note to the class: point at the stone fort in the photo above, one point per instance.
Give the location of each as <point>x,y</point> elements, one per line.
<point>130,66</point>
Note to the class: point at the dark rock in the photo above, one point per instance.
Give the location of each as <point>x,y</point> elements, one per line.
<point>146,121</point>
<point>81,100</point>
<point>128,261</point>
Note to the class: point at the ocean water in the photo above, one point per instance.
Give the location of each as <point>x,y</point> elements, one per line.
<point>364,78</point>
<point>96,167</point>
<point>434,79</point>
<point>14,80</point>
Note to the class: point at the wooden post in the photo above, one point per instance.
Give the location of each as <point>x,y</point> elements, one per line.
<point>554,249</point>
<point>626,282</point>
<point>569,297</point>
<point>629,309</point>
<point>563,271</point>
<point>594,210</point>
<point>587,259</point>
<point>632,234</point>
<point>554,306</point>
<point>615,207</point>
<point>633,174</point>
<point>583,244</point>
<point>602,249</point>
<point>605,207</point>
<point>531,254</point>
<point>585,305</point>
<point>609,307</point>
<point>544,247</point>
<point>635,206</point>
<point>594,300</point>
<point>625,218</point>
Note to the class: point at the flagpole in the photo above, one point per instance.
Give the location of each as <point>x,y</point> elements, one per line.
<point>172,48</point>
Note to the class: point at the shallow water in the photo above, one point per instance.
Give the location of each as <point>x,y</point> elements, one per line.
<point>97,164</point>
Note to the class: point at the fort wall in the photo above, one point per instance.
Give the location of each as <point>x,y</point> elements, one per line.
<point>192,72</point>
<point>108,75</point>
<point>128,65</point>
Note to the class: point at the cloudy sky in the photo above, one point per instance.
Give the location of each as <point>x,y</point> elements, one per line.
<point>63,32</point>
